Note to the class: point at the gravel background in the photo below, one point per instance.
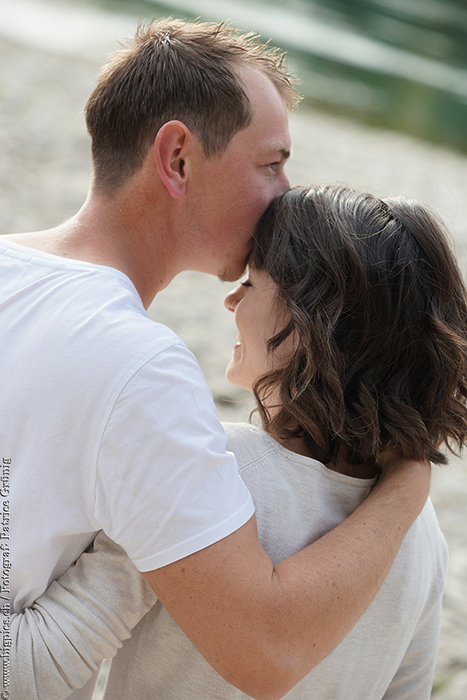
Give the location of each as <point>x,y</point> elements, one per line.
<point>44,173</point>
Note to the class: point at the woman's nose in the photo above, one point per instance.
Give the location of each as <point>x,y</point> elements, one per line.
<point>232,299</point>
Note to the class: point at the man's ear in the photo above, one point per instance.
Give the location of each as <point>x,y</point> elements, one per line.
<point>172,151</point>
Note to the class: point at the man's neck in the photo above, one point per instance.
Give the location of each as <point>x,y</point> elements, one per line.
<point>104,232</point>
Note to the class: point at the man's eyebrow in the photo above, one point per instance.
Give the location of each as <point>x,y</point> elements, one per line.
<point>284,153</point>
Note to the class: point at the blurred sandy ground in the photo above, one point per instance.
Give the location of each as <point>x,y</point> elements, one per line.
<point>44,173</point>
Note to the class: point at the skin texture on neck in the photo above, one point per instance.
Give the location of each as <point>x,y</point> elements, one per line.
<point>118,231</point>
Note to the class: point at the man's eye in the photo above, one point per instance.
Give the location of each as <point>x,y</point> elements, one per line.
<point>273,166</point>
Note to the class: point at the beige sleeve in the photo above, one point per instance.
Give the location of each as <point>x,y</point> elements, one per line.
<point>81,619</point>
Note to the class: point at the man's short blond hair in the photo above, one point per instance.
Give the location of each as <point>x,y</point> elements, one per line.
<point>174,69</point>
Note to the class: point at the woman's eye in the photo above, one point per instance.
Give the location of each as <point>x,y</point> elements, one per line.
<point>246,283</point>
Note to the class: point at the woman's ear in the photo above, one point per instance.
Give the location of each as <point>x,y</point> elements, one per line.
<point>172,151</point>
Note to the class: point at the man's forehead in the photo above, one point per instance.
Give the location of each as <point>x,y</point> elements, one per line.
<point>270,144</point>
<point>268,132</point>
<point>261,91</point>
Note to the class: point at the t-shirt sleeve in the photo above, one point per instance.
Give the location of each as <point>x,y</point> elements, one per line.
<point>82,618</point>
<point>165,485</point>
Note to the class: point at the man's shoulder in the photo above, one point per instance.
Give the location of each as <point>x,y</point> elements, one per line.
<point>107,308</point>
<point>87,319</point>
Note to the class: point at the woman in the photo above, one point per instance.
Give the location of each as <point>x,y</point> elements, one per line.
<point>352,337</point>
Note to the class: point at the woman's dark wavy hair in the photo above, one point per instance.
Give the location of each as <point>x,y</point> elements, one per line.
<point>378,309</point>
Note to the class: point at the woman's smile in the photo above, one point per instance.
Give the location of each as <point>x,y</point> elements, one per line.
<point>258,317</point>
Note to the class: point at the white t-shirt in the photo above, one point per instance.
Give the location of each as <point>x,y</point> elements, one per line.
<point>107,423</point>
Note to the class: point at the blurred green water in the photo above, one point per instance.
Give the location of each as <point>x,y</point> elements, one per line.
<point>400,64</point>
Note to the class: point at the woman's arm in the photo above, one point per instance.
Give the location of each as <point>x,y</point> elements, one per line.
<point>80,620</point>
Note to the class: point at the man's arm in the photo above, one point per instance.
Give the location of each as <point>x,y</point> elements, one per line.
<point>264,627</point>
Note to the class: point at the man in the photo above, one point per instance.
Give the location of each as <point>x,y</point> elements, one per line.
<point>106,418</point>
